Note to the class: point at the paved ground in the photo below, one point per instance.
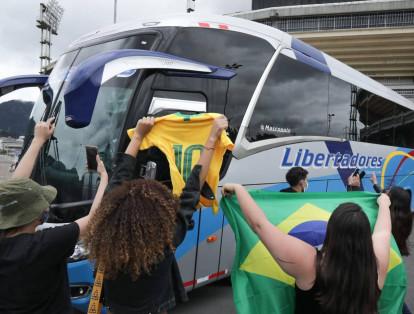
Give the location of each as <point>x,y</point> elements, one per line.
<point>5,162</point>
<point>217,298</point>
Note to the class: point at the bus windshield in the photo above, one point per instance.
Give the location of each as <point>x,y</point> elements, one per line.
<point>64,165</point>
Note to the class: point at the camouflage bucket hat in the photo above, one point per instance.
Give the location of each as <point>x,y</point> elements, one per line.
<point>22,201</point>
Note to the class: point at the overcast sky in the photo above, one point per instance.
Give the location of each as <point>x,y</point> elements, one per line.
<point>19,37</point>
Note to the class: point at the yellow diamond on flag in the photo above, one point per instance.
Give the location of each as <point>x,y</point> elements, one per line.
<point>395,260</point>
<point>260,262</point>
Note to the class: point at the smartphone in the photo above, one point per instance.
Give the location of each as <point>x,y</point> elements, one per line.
<point>91,152</point>
<point>356,172</point>
<point>362,174</point>
<point>149,171</point>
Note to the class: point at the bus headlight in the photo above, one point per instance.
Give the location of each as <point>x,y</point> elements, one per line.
<point>80,252</point>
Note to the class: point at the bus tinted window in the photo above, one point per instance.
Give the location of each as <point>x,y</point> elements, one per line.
<point>65,164</point>
<point>293,101</point>
<point>245,54</point>
<point>360,115</point>
<point>384,122</point>
<point>299,100</point>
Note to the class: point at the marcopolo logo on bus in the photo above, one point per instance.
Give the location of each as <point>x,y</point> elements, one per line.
<point>306,158</point>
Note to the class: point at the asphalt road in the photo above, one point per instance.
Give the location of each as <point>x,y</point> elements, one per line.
<point>217,298</point>
<point>5,162</point>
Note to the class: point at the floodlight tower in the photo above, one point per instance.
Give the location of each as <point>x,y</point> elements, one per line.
<point>190,6</point>
<point>48,22</point>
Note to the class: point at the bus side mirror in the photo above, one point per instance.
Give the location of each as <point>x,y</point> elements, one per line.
<point>47,94</point>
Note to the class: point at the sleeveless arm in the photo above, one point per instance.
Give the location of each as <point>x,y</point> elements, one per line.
<point>295,257</point>
<point>381,238</point>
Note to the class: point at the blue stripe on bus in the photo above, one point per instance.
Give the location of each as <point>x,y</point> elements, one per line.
<point>308,50</point>
<point>342,148</point>
<point>190,240</point>
<point>311,62</point>
<point>211,223</point>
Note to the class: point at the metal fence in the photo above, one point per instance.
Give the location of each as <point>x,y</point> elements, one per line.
<point>338,22</point>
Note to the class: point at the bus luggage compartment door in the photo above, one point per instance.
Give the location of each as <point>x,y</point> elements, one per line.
<point>209,247</point>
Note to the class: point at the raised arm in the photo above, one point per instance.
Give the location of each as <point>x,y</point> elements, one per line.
<point>42,132</point>
<point>190,195</point>
<point>143,126</point>
<point>125,163</point>
<point>219,125</point>
<point>83,222</point>
<point>375,182</point>
<point>381,237</point>
<point>295,257</point>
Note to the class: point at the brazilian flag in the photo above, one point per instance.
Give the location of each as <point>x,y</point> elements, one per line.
<point>259,284</point>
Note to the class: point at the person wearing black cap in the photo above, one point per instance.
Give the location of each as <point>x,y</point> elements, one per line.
<point>33,274</point>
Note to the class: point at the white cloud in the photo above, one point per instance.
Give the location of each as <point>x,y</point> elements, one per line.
<point>20,48</point>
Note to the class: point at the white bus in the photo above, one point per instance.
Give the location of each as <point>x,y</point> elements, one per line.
<point>288,104</point>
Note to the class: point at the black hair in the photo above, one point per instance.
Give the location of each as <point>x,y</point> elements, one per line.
<point>295,174</point>
<point>401,217</point>
<point>347,267</point>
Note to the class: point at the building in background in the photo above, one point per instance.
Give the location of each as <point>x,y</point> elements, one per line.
<point>375,37</point>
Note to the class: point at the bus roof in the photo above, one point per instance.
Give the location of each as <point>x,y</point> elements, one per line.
<point>274,36</point>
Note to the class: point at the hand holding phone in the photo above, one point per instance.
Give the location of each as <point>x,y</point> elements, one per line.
<point>91,152</point>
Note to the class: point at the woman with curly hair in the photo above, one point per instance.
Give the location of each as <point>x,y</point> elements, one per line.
<point>139,225</point>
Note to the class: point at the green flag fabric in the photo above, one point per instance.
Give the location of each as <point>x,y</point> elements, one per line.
<point>259,284</point>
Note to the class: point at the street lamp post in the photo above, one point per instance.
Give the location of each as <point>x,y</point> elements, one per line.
<point>48,22</point>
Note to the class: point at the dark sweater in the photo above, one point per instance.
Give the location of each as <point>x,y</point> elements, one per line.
<point>156,291</point>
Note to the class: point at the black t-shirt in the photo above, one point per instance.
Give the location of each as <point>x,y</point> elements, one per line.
<point>288,190</point>
<point>33,273</point>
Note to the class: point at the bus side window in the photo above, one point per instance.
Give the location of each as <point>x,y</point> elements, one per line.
<point>359,115</point>
<point>293,102</point>
<point>384,122</point>
<point>245,54</point>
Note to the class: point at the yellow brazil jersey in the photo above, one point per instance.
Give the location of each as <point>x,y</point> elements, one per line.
<point>181,138</point>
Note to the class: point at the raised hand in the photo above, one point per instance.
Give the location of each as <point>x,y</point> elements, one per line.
<point>143,127</point>
<point>374,178</point>
<point>229,189</point>
<point>220,124</point>
<point>384,200</point>
<point>44,130</point>
<point>101,167</point>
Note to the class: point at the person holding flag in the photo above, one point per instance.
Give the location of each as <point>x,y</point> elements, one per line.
<point>347,275</point>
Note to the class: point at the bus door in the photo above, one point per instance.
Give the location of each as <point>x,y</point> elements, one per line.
<point>248,56</point>
<point>200,251</point>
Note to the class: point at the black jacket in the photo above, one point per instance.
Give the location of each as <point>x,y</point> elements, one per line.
<point>156,291</point>
<point>350,188</point>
